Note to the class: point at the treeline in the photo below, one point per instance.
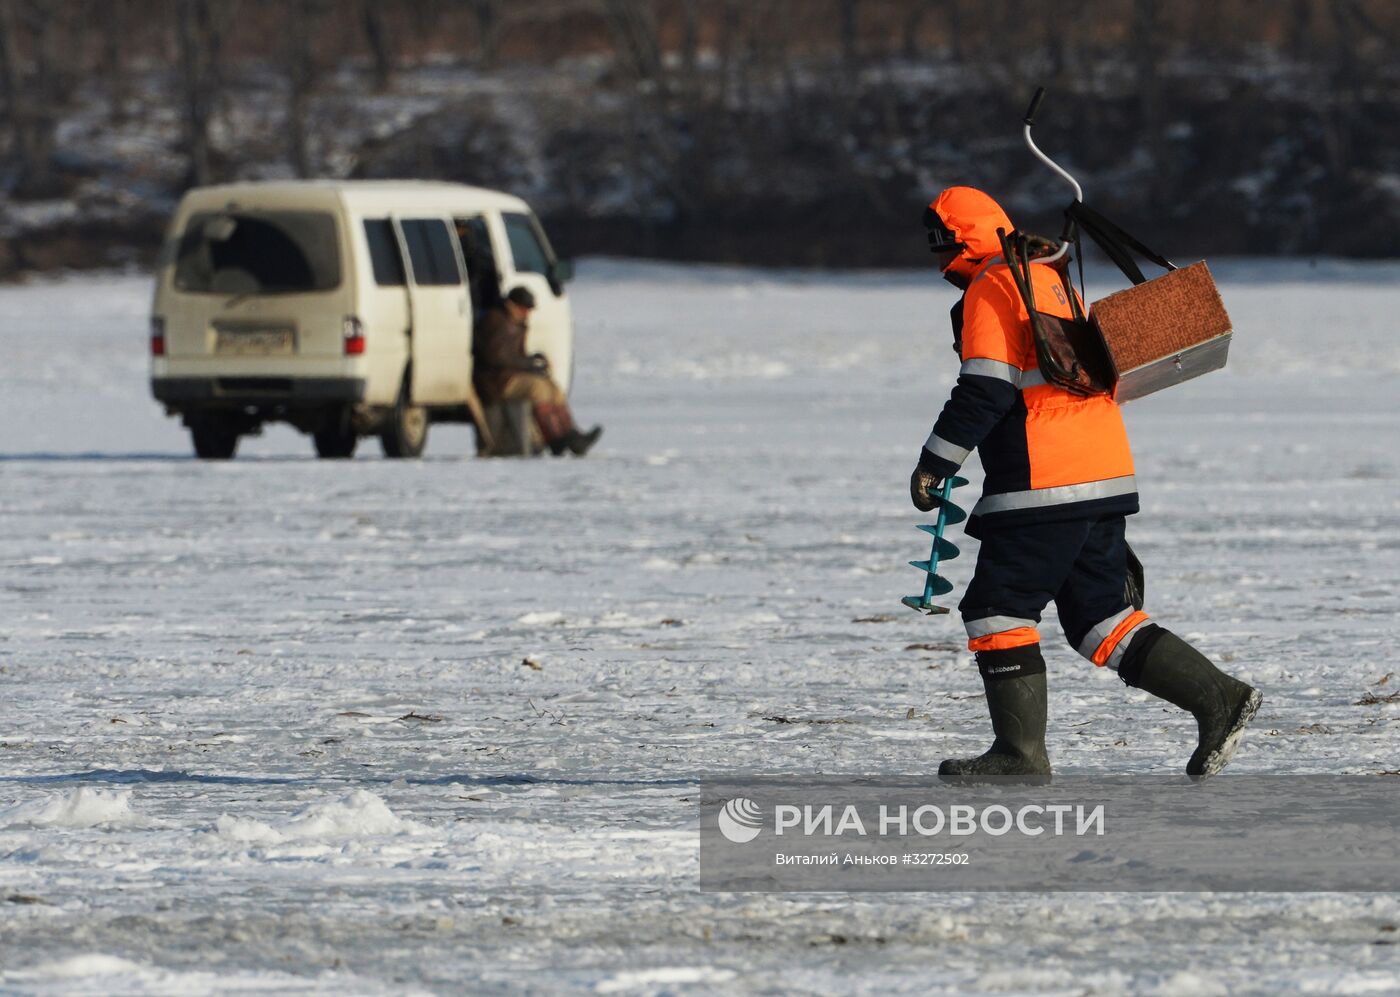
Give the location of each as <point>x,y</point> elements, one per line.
<point>776,131</point>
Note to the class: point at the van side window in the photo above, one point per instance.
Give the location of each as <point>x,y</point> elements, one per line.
<point>430,251</point>
<point>384,252</point>
<point>529,254</point>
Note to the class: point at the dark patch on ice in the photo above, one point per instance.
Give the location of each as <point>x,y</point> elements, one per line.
<point>139,457</point>
<point>128,776</point>
<point>1371,699</point>
<point>136,776</point>
<point>525,779</point>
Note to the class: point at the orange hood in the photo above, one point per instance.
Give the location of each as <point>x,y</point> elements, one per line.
<point>973,217</point>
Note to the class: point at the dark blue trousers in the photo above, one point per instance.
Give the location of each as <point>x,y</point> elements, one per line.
<point>1080,564</point>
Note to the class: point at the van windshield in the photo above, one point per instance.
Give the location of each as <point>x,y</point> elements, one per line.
<point>263,252</point>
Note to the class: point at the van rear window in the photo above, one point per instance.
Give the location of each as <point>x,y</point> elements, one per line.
<point>262,252</point>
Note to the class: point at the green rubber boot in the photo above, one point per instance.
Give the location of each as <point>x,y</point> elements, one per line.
<point>1018,707</point>
<point>1160,662</point>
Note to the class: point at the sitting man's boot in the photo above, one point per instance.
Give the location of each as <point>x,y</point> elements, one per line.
<point>1160,662</point>
<point>556,426</point>
<point>1016,699</point>
<point>580,443</point>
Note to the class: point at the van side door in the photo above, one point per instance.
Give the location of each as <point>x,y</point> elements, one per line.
<point>440,311</point>
<point>531,264</point>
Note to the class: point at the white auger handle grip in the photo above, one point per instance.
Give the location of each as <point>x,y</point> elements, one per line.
<point>1027,122</point>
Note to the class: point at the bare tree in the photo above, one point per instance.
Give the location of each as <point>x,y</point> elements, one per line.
<point>1145,47</point>
<point>301,81</point>
<point>913,23</point>
<point>488,29</point>
<point>35,89</point>
<point>635,37</point>
<point>729,27</point>
<point>200,38</point>
<point>779,43</point>
<point>848,16</point>
<point>381,43</point>
<point>113,20</point>
<point>950,14</point>
<point>12,78</point>
<point>1059,38</point>
<point>1348,72</point>
<point>690,38</point>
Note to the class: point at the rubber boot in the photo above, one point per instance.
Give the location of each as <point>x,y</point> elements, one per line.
<point>1017,703</point>
<point>580,443</point>
<point>556,426</point>
<point>1160,662</point>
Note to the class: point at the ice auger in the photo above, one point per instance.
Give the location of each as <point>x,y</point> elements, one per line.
<point>943,550</point>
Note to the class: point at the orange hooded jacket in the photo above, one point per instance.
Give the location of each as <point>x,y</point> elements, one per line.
<point>1048,454</point>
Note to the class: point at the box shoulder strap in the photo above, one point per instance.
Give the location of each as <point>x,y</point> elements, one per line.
<point>1116,242</point>
<point>1055,355</point>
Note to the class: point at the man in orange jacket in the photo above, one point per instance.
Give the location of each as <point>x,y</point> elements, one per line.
<point>1059,484</point>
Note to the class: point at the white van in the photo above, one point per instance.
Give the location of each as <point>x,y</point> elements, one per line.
<point>343,308</point>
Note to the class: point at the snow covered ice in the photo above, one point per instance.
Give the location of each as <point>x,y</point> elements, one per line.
<point>398,727</point>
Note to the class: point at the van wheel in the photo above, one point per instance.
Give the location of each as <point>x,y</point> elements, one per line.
<point>338,442</point>
<point>406,433</point>
<point>213,440</point>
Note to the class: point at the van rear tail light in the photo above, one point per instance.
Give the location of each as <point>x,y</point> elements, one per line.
<point>157,336</point>
<point>354,336</point>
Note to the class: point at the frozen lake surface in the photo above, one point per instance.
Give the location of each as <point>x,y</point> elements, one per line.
<point>393,727</point>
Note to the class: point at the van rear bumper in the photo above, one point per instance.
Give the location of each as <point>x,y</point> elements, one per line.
<point>221,391</point>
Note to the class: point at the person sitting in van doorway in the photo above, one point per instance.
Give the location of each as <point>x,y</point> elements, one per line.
<point>504,373</point>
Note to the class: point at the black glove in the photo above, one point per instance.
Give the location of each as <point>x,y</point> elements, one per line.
<point>924,489</point>
<point>537,363</point>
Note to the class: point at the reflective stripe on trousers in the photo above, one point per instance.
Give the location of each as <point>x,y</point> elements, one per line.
<point>1108,641</point>
<point>997,633</point>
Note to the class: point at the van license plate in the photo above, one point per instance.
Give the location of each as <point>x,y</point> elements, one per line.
<point>253,342</point>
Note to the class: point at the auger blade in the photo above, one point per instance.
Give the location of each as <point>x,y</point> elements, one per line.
<point>917,603</point>
<point>935,584</point>
<point>943,550</point>
<point>946,549</point>
<point>951,514</point>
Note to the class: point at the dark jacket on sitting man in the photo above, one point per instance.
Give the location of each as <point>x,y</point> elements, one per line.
<point>499,351</point>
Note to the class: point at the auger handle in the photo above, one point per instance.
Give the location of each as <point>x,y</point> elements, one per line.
<point>1029,119</point>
